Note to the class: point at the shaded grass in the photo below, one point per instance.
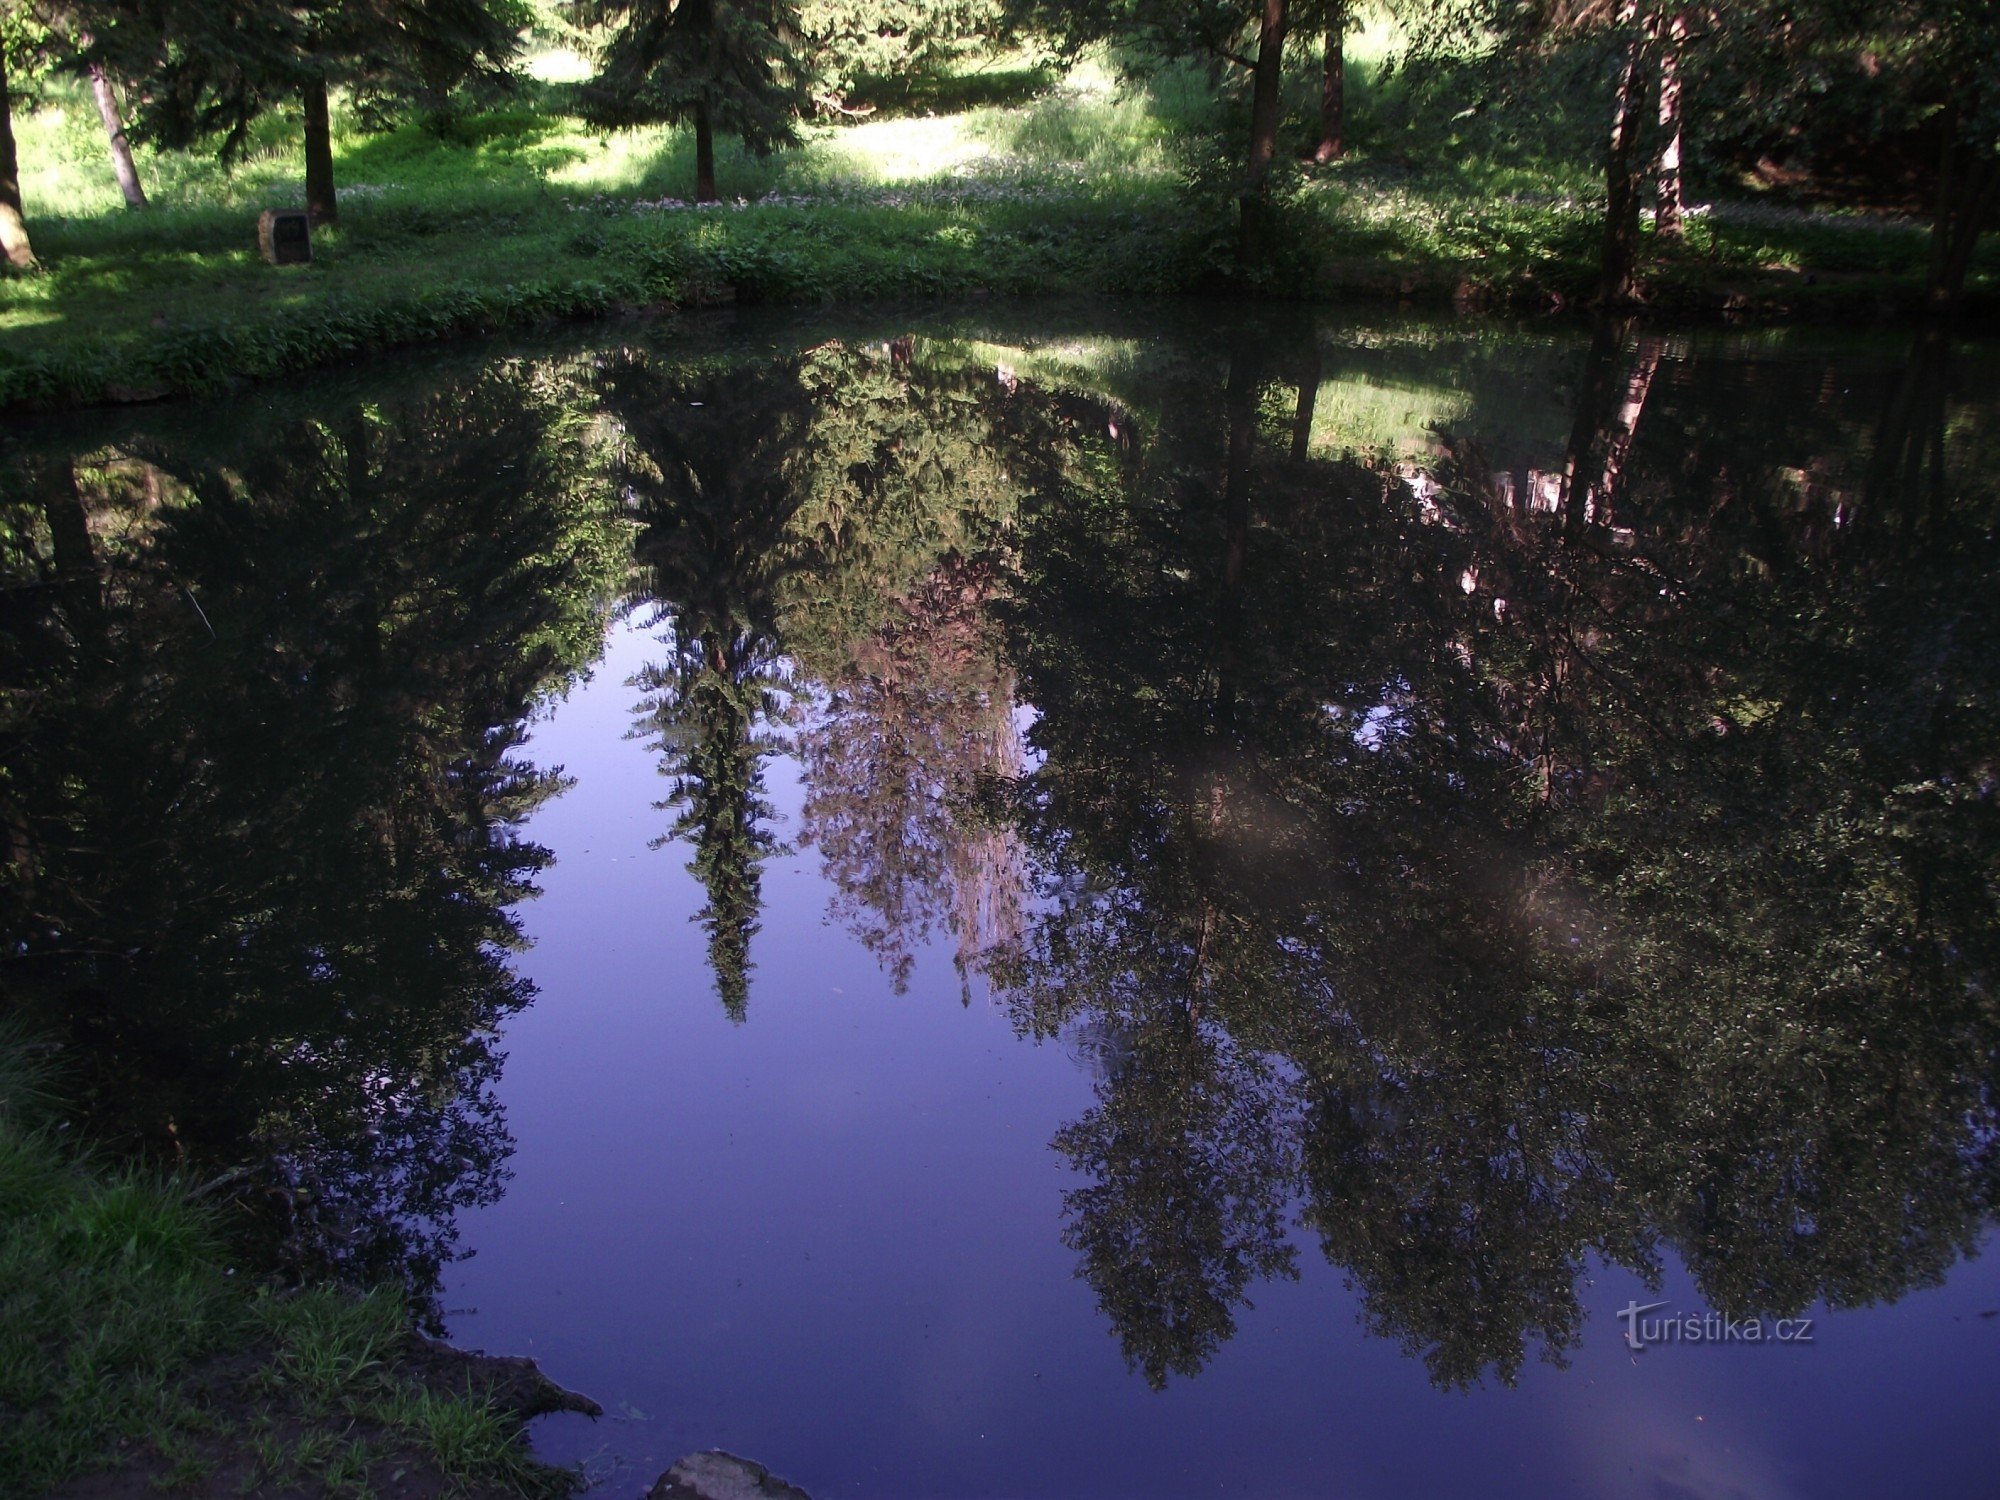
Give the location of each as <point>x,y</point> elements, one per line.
<point>119,1303</point>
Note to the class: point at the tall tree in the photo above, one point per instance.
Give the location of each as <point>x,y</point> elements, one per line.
<point>14,243</point>
<point>1247,35</point>
<point>715,64</point>
<point>1964,40</point>
<point>122,166</point>
<point>705,459</point>
<point>1331,18</point>
<point>1668,205</point>
<point>67,44</point>
<point>212,67</point>
<point>1618,259</point>
<point>287,693</point>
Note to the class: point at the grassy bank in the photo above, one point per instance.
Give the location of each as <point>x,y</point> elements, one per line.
<point>1038,185</point>
<point>136,1353</point>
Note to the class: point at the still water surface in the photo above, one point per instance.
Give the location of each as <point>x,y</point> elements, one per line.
<point>1077,900</point>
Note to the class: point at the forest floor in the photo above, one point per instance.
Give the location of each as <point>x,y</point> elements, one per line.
<point>135,1360</point>
<point>1009,180</point>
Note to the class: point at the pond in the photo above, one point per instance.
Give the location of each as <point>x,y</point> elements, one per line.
<point>1081,899</point>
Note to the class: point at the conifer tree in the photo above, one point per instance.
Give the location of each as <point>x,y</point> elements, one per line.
<point>717,64</point>
<point>212,67</point>
<point>855,43</point>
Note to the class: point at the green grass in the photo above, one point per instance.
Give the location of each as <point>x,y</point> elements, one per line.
<point>118,1294</point>
<point>1092,182</point>
<point>110,1283</point>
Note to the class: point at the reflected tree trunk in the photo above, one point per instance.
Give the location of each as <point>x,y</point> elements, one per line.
<point>1245,385</point>
<point>122,165</point>
<point>13,223</point>
<point>1611,400</point>
<point>1909,437</point>
<point>1303,413</point>
<point>78,568</point>
<point>322,206</point>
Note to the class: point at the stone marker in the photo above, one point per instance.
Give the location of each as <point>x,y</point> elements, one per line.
<point>284,235</point>
<point>716,1475</point>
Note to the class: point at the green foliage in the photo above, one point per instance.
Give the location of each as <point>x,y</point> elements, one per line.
<point>114,1284</point>
<point>726,64</point>
<point>853,42</point>
<point>1670,920</point>
<point>452,596</point>
<point>1496,803</point>
<point>706,462</point>
<point>209,71</point>
<point>527,215</point>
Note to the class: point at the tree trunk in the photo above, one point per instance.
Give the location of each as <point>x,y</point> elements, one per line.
<point>114,133</point>
<point>1610,401</point>
<point>704,154</point>
<point>1968,182</point>
<point>1265,102</point>
<point>1621,197</point>
<point>1303,411</point>
<point>81,577</point>
<point>1668,210</point>
<point>1240,397</point>
<point>1333,91</point>
<point>321,204</point>
<point>1911,425</point>
<point>13,224</point>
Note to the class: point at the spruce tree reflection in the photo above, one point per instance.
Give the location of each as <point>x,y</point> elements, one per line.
<point>708,459</point>
<point>265,899</point>
<point>1579,843</point>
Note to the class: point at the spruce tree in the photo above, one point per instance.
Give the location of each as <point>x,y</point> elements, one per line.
<point>210,68</point>
<point>719,64</point>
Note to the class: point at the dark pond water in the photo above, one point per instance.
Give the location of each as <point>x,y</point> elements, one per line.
<point>1074,900</point>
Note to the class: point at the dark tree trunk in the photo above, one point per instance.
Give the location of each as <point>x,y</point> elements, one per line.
<point>1621,196</point>
<point>704,154</point>
<point>1968,182</point>
<point>1302,413</point>
<point>1669,206</point>
<point>122,165</point>
<point>13,223</point>
<point>1240,398</point>
<point>1265,102</point>
<point>321,204</point>
<point>1333,91</point>
<point>1610,401</point>
<point>81,576</point>
<point>1911,430</point>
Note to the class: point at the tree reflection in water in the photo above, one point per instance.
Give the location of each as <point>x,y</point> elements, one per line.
<point>263,696</point>
<point>1565,831</point>
<point>1600,865</point>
